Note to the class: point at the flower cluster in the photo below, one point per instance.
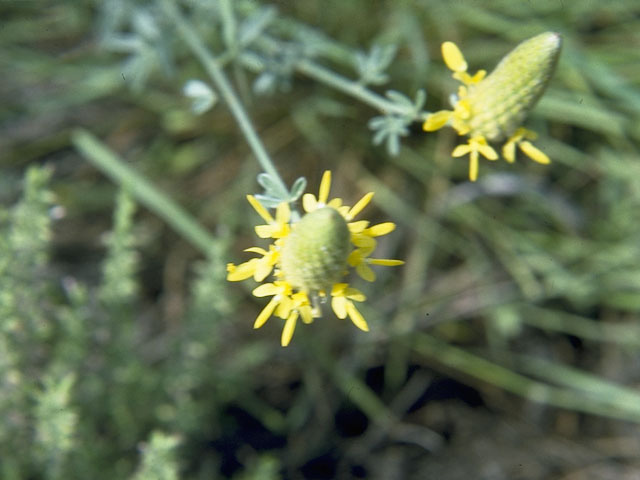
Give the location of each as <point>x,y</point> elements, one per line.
<point>310,259</point>
<point>491,108</point>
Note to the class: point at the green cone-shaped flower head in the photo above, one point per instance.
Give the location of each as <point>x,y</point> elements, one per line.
<point>499,103</point>
<point>314,256</point>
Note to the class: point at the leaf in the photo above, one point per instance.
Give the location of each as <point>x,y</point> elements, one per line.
<point>203,97</point>
<point>145,24</point>
<point>297,188</point>
<point>265,83</point>
<point>270,185</point>
<point>268,201</point>
<point>255,24</point>
<point>371,66</point>
<point>399,98</point>
<point>421,98</point>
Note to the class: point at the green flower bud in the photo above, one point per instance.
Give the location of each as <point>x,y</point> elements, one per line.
<point>499,103</point>
<point>314,256</point>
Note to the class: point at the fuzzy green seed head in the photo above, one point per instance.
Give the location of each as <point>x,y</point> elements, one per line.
<point>499,103</point>
<point>314,256</point>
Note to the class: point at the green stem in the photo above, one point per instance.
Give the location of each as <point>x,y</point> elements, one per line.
<point>145,192</point>
<point>558,321</point>
<point>326,76</point>
<point>229,27</point>
<point>468,364</point>
<point>218,77</point>
<point>354,89</point>
<point>343,84</point>
<point>592,385</point>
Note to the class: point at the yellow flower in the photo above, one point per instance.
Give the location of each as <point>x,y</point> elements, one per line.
<point>342,304</point>
<point>284,304</point>
<point>277,228</point>
<point>364,239</point>
<point>492,108</point>
<point>258,268</point>
<point>311,259</point>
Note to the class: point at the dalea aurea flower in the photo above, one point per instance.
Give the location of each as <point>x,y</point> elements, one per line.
<point>311,259</point>
<point>492,108</point>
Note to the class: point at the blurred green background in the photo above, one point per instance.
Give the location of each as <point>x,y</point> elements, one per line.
<point>508,346</point>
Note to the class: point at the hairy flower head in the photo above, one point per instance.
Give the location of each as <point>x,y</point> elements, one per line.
<point>311,259</point>
<point>492,108</point>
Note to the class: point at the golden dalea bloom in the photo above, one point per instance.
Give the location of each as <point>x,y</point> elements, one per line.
<point>492,108</point>
<point>310,259</point>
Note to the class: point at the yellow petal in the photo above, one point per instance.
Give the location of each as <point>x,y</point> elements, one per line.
<point>381,229</point>
<point>289,327</point>
<point>473,166</point>
<point>242,271</point>
<point>264,231</point>
<point>365,272</point>
<point>356,317</point>
<point>363,241</point>
<point>343,210</point>
<point>487,151</point>
<point>266,289</point>
<point>355,257</point>
<point>283,213</point>
<point>528,134</point>
<point>509,151</point>
<point>339,306</point>
<point>354,294</point>
<point>266,313</point>
<point>358,227</point>
<point>284,307</point>
<point>467,79</point>
<point>280,230</point>
<point>459,125</point>
<point>335,203</point>
<point>325,185</point>
<point>479,76</point>
<point>309,202</point>
<point>306,314</point>
<point>453,57</point>
<point>462,110</point>
<point>368,250</point>
<point>258,250</point>
<point>534,154</point>
<point>357,208</point>
<point>338,289</point>
<point>385,261</point>
<point>263,269</point>
<point>257,206</point>
<point>461,150</point>
<point>436,120</point>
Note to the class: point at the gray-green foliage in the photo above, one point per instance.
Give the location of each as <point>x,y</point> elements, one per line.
<point>25,317</point>
<point>526,258</point>
<point>158,458</point>
<point>119,268</point>
<point>266,467</point>
<point>78,370</point>
<point>55,421</point>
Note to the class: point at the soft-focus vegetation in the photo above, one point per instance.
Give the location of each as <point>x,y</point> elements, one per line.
<point>125,353</point>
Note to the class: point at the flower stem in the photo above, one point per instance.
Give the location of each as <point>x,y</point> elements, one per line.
<point>144,191</point>
<point>354,89</point>
<point>229,27</point>
<point>608,399</point>
<point>218,77</point>
<point>350,87</point>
